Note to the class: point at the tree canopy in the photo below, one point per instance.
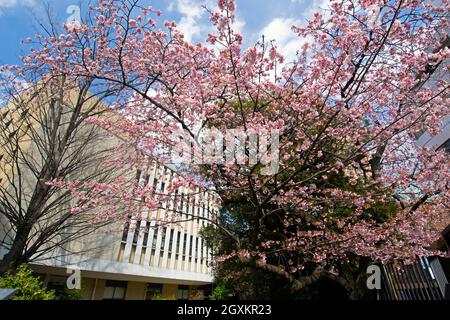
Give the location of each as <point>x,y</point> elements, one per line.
<point>349,180</point>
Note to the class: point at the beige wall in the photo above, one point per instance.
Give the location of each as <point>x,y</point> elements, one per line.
<point>87,287</point>
<point>136,291</point>
<point>99,141</point>
<point>170,291</point>
<point>99,290</point>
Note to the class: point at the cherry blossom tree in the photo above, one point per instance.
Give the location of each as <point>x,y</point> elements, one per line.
<point>350,181</point>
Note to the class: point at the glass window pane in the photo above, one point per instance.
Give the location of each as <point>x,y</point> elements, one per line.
<point>119,293</point>
<point>109,292</point>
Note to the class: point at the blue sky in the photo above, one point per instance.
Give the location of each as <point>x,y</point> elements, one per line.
<point>273,18</point>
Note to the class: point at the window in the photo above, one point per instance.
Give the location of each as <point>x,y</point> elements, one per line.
<point>179,239</point>
<point>138,174</point>
<point>418,134</point>
<point>126,228</point>
<point>57,283</point>
<point>155,238</point>
<point>199,245</point>
<point>446,146</point>
<point>146,231</point>
<point>137,229</point>
<point>181,204</point>
<point>184,244</point>
<point>171,240</point>
<point>115,290</point>
<point>183,293</point>
<point>153,290</point>
<point>163,238</point>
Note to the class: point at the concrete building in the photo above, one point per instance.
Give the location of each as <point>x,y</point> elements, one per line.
<point>429,277</point>
<point>143,258</point>
<point>441,140</point>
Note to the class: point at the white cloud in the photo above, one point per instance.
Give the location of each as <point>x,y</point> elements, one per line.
<point>280,29</point>
<point>189,23</point>
<point>194,22</point>
<point>238,25</point>
<point>317,6</point>
<point>12,3</point>
<point>287,42</point>
<point>7,4</point>
<point>170,6</point>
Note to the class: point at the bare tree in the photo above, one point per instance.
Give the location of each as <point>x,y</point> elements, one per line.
<point>46,142</point>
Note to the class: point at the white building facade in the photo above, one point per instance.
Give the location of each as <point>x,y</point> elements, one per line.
<point>158,254</point>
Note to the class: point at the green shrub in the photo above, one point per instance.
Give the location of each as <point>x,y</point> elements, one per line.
<point>69,294</point>
<point>161,297</point>
<point>30,287</point>
<point>220,292</point>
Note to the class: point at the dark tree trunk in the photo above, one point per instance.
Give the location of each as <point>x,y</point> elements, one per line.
<point>359,290</point>
<point>15,257</point>
<point>355,275</point>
